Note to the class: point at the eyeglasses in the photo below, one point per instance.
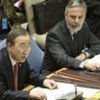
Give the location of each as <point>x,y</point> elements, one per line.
<point>23,46</point>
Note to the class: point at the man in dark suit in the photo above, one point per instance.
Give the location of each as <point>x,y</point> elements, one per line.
<point>11,85</point>
<point>70,42</point>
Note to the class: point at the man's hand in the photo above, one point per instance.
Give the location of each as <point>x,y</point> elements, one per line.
<point>91,66</point>
<point>81,57</point>
<point>37,95</point>
<point>51,84</point>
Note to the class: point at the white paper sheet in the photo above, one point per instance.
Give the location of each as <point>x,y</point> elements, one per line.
<point>95,59</point>
<point>64,88</point>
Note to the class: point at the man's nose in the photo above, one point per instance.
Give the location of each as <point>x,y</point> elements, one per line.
<point>26,51</point>
<point>76,20</point>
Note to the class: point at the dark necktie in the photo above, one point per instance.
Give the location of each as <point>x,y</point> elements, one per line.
<point>75,36</point>
<point>16,76</point>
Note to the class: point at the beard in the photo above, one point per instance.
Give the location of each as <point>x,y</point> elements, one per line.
<point>74,29</point>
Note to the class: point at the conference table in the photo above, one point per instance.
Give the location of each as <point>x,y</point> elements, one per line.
<point>81,78</point>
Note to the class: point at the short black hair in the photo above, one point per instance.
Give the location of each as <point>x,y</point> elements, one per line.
<point>14,33</point>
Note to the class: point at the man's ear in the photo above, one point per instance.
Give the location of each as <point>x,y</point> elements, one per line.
<point>64,13</point>
<point>9,45</point>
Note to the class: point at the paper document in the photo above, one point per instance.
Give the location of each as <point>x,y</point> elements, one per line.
<point>64,88</point>
<point>95,59</point>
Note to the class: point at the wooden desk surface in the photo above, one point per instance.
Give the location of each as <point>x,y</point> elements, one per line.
<point>48,76</point>
<point>79,77</point>
<point>29,87</point>
<point>96,96</point>
<point>63,75</point>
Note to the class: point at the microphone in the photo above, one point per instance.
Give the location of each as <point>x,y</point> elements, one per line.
<point>75,95</point>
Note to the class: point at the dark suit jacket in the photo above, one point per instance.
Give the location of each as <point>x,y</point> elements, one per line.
<point>61,49</point>
<point>93,16</point>
<point>25,76</point>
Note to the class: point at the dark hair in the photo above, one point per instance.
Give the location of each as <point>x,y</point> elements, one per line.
<point>14,33</point>
<point>77,3</point>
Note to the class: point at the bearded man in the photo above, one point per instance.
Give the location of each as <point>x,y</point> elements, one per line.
<point>70,42</point>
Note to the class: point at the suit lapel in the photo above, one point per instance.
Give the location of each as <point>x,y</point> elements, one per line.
<point>9,70</point>
<point>71,44</point>
<point>66,39</point>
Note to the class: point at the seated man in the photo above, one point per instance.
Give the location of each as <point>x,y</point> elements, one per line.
<point>65,50</point>
<point>15,71</point>
<point>35,57</point>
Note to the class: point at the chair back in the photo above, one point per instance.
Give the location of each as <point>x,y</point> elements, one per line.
<point>35,57</point>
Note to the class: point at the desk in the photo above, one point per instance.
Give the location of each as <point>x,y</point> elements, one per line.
<point>65,88</point>
<point>79,77</point>
<point>67,79</point>
<point>27,88</point>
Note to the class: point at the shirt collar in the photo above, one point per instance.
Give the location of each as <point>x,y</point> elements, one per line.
<point>12,60</point>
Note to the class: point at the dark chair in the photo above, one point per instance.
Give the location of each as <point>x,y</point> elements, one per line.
<point>35,57</point>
